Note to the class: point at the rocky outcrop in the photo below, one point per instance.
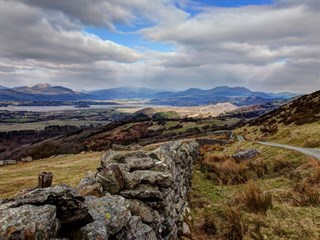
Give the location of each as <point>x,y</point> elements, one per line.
<point>29,222</point>
<point>245,155</point>
<point>133,195</point>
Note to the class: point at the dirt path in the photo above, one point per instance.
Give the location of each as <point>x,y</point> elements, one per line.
<point>314,152</point>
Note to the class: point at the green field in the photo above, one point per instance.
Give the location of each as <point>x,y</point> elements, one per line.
<point>6,127</point>
<point>69,169</point>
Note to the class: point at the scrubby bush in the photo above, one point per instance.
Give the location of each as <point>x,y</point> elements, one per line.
<point>208,227</point>
<point>311,143</point>
<point>306,194</point>
<point>228,172</point>
<point>258,167</point>
<point>307,191</point>
<point>253,199</point>
<point>234,228</point>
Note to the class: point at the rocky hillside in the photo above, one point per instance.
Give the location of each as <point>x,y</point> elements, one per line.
<point>134,195</point>
<point>101,138</point>
<point>295,123</point>
<point>305,109</point>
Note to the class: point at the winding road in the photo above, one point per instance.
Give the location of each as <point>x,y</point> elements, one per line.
<point>314,152</point>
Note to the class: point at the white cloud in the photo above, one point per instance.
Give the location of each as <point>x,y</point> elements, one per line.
<point>271,48</point>
<point>27,33</point>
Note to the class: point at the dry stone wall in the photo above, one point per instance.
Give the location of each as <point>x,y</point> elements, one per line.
<point>133,195</point>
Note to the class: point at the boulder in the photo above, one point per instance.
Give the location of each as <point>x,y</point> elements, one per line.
<point>185,229</point>
<point>139,163</point>
<point>93,189</point>
<point>112,211</point>
<point>143,194</point>
<point>141,209</point>
<point>29,222</point>
<point>89,186</point>
<point>26,159</point>
<point>162,179</point>
<point>111,179</point>
<point>136,230</point>
<point>245,155</point>
<point>10,162</point>
<point>71,208</point>
<point>112,156</point>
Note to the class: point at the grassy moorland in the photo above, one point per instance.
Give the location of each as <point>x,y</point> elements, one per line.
<point>296,123</point>
<point>69,169</point>
<point>273,196</point>
<point>306,135</point>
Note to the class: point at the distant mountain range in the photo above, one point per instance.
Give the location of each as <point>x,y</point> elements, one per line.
<point>239,96</point>
<point>40,92</point>
<point>122,93</point>
<point>236,95</point>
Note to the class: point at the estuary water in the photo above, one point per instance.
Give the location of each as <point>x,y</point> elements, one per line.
<point>63,108</point>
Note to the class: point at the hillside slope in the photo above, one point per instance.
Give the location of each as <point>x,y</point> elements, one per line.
<point>296,123</point>
<point>40,92</point>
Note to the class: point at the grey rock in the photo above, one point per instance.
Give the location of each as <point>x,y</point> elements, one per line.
<point>148,195</point>
<point>26,159</point>
<point>143,210</point>
<point>10,162</point>
<point>93,189</point>
<point>136,230</point>
<point>162,179</point>
<point>89,186</point>
<point>112,156</point>
<point>139,163</point>
<point>246,155</point>
<point>29,222</point>
<point>111,179</point>
<point>185,229</point>
<point>109,211</point>
<point>2,163</point>
<point>71,208</point>
<point>119,156</point>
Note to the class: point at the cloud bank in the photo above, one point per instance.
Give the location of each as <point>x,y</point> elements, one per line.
<point>268,47</point>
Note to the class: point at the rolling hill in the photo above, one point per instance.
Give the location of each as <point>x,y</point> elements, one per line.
<point>238,96</point>
<point>40,92</point>
<point>295,123</point>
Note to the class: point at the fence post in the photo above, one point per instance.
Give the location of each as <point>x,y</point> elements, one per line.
<point>45,179</point>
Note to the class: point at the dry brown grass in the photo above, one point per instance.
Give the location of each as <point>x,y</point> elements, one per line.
<point>288,209</point>
<point>209,148</point>
<point>227,172</point>
<point>306,194</point>
<point>253,199</point>
<point>233,228</point>
<point>66,169</point>
<point>282,165</point>
<point>208,227</point>
<point>257,166</point>
<point>307,191</point>
<point>311,143</point>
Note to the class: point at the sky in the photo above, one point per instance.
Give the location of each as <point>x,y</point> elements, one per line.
<point>264,45</point>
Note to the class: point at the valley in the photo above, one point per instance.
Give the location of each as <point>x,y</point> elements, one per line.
<point>159,120</point>
<point>240,189</point>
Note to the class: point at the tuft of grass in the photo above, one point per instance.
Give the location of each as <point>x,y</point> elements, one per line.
<point>253,199</point>
<point>311,143</point>
<point>234,228</point>
<point>307,191</point>
<point>208,227</point>
<point>306,194</point>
